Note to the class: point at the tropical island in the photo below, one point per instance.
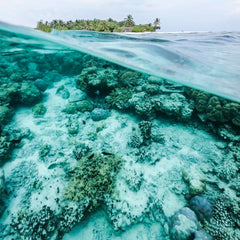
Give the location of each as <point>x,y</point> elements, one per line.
<point>109,25</point>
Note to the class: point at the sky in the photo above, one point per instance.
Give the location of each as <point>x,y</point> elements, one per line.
<point>175,15</point>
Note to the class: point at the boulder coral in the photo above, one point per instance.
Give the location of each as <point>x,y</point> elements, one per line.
<point>95,81</point>
<point>216,109</point>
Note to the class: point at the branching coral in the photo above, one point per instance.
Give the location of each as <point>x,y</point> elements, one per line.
<point>225,221</point>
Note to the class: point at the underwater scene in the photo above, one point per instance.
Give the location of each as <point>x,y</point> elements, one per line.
<point>119,136</point>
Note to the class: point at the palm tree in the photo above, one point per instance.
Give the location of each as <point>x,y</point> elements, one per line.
<point>129,21</point>
<point>156,24</point>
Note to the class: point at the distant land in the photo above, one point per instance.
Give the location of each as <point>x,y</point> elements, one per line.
<point>109,25</point>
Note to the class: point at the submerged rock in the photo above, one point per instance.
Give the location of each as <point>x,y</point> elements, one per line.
<point>202,207</point>
<point>41,84</point>
<point>183,224</point>
<point>99,114</point>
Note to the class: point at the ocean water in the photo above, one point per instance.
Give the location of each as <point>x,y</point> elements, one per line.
<point>119,136</point>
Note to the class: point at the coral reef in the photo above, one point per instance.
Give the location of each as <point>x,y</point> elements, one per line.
<point>119,98</point>
<point>29,94</point>
<point>81,150</point>
<point>71,214</point>
<point>130,79</point>
<point>202,235</point>
<point>175,105</point>
<point>142,104</point>
<point>227,170</point>
<point>216,109</point>
<point>224,223</point>
<point>145,128</point>
<point>35,225</point>
<point>93,177</point>
<point>97,81</point>
<point>39,110</point>
<point>72,126</point>
<point>133,179</point>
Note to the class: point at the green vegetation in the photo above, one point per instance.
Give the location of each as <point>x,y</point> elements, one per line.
<point>109,25</point>
<point>143,28</point>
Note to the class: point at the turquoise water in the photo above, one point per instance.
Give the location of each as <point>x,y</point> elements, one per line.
<point>119,136</point>
<point>205,61</point>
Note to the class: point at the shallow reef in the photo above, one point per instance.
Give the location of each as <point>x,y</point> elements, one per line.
<point>80,136</point>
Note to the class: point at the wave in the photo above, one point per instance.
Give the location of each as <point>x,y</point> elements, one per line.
<point>202,60</point>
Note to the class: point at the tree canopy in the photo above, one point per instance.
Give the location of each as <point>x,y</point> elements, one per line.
<point>109,25</point>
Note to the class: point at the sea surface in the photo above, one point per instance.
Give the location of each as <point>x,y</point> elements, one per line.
<point>119,136</point>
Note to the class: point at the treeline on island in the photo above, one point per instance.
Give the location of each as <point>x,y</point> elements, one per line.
<point>109,25</point>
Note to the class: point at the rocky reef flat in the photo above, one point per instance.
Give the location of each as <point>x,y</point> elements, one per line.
<point>91,150</point>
